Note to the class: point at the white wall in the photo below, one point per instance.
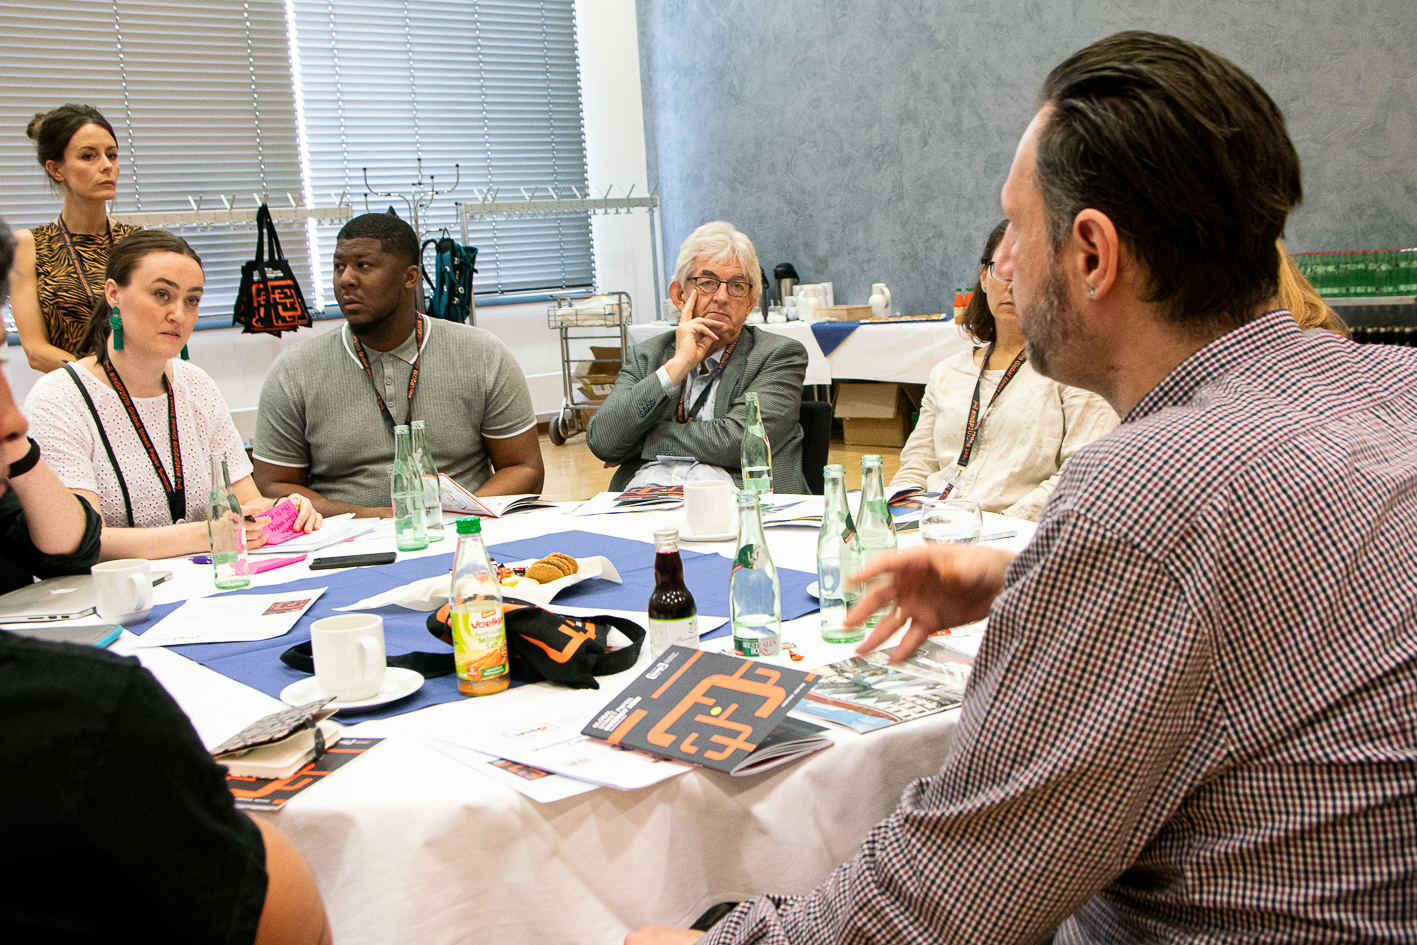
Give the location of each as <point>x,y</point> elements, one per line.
<point>615,154</point>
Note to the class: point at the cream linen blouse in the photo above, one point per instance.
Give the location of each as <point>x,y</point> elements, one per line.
<point>1024,439</point>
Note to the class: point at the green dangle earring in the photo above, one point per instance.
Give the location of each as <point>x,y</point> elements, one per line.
<point>185,355</point>
<point>116,324</point>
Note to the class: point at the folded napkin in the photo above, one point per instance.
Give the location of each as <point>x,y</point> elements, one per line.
<point>432,593</point>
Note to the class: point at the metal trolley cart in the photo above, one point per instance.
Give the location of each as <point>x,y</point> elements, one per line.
<point>586,381</point>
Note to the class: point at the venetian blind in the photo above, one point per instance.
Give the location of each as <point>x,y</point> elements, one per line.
<point>200,97</point>
<point>491,86</point>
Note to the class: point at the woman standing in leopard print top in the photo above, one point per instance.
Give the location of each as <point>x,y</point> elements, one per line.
<point>58,269</point>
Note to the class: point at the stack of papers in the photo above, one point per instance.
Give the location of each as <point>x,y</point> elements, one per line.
<point>337,528</point>
<point>226,618</point>
<point>607,503</point>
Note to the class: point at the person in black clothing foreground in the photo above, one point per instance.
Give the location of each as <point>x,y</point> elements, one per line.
<point>116,820</point>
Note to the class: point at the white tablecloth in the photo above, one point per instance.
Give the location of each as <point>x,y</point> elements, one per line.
<point>904,352</point>
<point>409,845</point>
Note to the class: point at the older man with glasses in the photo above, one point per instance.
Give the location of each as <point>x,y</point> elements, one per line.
<point>683,394</point>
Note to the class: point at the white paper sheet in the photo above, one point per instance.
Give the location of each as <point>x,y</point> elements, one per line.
<point>226,618</point>
<point>604,504</point>
<point>555,743</point>
<point>540,786</point>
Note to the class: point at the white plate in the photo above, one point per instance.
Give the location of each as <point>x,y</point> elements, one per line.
<point>686,535</point>
<point>812,590</point>
<point>398,682</point>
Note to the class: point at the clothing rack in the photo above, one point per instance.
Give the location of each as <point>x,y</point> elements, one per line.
<point>232,216</point>
<point>491,204</point>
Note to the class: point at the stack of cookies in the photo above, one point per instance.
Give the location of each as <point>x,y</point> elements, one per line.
<point>553,567</point>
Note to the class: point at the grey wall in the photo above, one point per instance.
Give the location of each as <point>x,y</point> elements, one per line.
<point>867,141</point>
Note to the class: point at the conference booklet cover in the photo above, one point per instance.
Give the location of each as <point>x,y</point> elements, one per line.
<point>711,709</point>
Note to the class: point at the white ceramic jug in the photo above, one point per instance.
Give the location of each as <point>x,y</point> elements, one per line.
<point>880,301</point>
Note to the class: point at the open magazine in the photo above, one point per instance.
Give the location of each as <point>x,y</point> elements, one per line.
<point>457,499</point>
<point>864,693</point>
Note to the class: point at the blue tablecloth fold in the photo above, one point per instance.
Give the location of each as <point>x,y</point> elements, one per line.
<point>830,335</point>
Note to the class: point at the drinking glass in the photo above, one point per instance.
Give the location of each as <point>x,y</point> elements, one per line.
<point>951,522</point>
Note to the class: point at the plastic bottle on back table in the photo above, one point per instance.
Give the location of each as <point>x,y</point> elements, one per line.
<point>428,470</point>
<point>755,599</point>
<point>874,529</point>
<point>673,615</point>
<point>406,493</point>
<point>475,615</point>
<point>756,453</point>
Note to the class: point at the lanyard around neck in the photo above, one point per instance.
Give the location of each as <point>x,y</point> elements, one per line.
<point>79,263</point>
<point>703,397</point>
<point>971,426</point>
<point>412,380</point>
<point>174,487</point>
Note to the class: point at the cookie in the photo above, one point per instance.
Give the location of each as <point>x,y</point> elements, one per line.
<point>564,562</point>
<point>543,573</point>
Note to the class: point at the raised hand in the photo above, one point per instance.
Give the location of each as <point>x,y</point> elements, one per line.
<point>934,587</point>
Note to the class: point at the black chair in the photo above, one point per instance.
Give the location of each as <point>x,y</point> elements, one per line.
<point>816,419</point>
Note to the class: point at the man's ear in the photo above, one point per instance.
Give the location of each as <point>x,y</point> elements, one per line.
<point>676,294</point>
<point>411,276</point>
<point>1096,252</point>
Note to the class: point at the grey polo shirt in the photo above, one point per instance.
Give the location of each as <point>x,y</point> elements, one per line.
<point>318,410</point>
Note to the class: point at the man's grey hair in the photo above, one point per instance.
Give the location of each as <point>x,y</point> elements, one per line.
<point>718,242</point>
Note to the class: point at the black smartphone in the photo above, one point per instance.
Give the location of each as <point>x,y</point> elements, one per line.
<point>352,561</point>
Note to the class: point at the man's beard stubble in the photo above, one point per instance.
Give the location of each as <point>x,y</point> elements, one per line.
<point>1053,324</point>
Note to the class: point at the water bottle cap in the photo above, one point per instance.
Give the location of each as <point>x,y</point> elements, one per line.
<point>472,525</point>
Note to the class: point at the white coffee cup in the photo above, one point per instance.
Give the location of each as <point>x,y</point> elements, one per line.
<point>123,590</point>
<point>349,655</point>
<point>708,507</point>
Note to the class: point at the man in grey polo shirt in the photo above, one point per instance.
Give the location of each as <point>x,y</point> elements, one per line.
<point>329,404</point>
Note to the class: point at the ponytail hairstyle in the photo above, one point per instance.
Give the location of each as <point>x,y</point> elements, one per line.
<point>122,260</point>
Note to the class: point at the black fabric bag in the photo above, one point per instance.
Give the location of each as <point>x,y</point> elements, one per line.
<point>452,292</point>
<point>541,645</point>
<point>270,300</point>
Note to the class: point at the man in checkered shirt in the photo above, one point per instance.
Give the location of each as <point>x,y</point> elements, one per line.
<point>1194,715</point>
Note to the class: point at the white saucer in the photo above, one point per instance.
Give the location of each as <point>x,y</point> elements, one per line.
<point>686,535</point>
<point>398,682</point>
<point>812,590</point>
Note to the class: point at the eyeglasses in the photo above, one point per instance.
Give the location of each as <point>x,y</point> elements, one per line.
<point>709,286</point>
<point>994,276</point>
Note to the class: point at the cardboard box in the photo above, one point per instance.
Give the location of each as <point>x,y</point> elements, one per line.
<point>593,380</point>
<point>843,313</point>
<point>873,414</point>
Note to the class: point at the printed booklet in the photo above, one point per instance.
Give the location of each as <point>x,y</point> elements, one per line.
<point>864,693</point>
<point>711,709</point>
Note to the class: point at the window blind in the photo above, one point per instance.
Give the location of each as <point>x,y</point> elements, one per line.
<point>200,97</point>
<point>491,86</point>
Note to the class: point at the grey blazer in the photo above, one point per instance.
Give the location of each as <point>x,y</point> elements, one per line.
<point>636,423</point>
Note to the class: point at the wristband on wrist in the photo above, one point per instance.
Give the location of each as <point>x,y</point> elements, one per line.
<point>27,462</point>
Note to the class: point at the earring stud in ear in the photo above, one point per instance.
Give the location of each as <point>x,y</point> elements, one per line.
<point>116,324</point>
<point>1091,290</point>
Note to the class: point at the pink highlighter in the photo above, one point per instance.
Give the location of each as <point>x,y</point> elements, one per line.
<point>281,526</point>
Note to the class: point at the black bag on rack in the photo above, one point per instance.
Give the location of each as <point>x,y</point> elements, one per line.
<point>452,292</point>
<point>270,300</point>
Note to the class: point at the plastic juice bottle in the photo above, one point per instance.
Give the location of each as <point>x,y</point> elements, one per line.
<point>406,488</point>
<point>756,453</point>
<point>874,529</point>
<point>755,599</point>
<point>479,632</point>
<point>225,529</point>
<point>673,615</point>
<point>836,558</point>
<point>428,471</point>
